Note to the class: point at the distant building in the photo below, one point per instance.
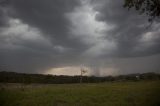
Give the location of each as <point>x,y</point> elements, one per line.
<point>137,77</point>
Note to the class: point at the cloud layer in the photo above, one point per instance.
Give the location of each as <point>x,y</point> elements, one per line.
<point>37,36</point>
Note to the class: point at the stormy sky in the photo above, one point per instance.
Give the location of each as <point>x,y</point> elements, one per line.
<point>61,36</point>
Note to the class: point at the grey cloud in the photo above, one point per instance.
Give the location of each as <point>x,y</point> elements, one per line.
<point>129,28</point>
<point>3,14</point>
<point>53,45</point>
<point>49,16</point>
<point>138,64</point>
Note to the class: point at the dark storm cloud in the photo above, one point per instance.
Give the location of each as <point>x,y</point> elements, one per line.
<point>129,28</point>
<point>36,35</point>
<point>3,15</point>
<point>49,16</point>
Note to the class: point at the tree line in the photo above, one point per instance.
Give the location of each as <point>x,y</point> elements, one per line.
<point>13,77</point>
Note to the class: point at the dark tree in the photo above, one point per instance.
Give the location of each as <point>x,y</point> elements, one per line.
<point>149,7</point>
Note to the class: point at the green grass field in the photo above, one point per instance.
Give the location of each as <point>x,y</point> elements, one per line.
<point>142,93</point>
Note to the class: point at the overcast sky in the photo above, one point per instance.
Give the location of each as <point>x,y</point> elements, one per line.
<point>60,36</point>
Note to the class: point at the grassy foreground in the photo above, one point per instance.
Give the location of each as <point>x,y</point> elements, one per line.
<point>143,93</point>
